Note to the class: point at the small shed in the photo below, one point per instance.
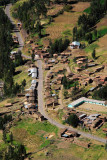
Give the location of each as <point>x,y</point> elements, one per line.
<point>68,134</point>
<point>75,45</point>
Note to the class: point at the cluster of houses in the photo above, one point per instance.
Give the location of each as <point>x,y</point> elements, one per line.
<point>19,25</point>
<point>13,54</point>
<point>31,98</point>
<point>73,137</point>
<point>92,121</point>
<point>15,39</point>
<point>53,86</point>
<point>33,71</point>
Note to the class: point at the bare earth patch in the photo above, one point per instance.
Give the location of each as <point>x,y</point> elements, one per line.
<point>80,6</point>
<point>103,22</point>
<point>64,144</point>
<point>93,107</point>
<point>54,9</point>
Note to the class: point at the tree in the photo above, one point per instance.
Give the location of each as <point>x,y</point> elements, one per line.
<point>73,120</point>
<point>38,28</point>
<point>66,94</point>
<point>101,93</point>
<point>18,58</point>
<point>4,136</point>
<point>89,38</point>
<point>95,34</point>
<point>94,54</point>
<point>11,138</point>
<point>24,83</point>
<point>33,57</point>
<point>15,152</point>
<point>65,1</point>
<point>74,33</point>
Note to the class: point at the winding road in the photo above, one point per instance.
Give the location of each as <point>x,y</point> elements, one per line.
<point>52,121</point>
<point>40,86</point>
<point>16,30</point>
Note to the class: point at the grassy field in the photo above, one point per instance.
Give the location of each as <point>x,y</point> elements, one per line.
<point>62,25</point>
<point>33,134</point>
<point>73,152</point>
<point>22,75</point>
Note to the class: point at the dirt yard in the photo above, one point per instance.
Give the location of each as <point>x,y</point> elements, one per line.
<point>80,6</point>
<point>93,107</point>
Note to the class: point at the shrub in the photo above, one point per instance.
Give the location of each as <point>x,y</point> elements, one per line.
<point>73,120</point>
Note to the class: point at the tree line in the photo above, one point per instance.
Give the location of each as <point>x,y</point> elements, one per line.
<point>5,2</point>
<point>100,94</point>
<point>58,46</point>
<point>30,14</point>
<point>7,66</point>
<point>86,22</point>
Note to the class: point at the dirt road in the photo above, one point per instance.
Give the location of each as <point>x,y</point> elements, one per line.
<point>16,30</point>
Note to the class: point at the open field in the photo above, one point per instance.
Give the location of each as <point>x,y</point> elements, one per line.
<point>23,74</point>
<point>80,6</point>
<point>54,9</point>
<point>32,133</point>
<point>101,49</point>
<point>62,23</point>
<point>93,107</point>
<point>74,152</point>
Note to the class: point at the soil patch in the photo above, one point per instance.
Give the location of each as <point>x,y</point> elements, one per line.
<point>103,22</point>
<point>80,6</point>
<point>93,107</point>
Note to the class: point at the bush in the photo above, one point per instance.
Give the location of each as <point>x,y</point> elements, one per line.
<point>67,8</point>
<point>101,94</point>
<point>73,120</point>
<point>58,46</point>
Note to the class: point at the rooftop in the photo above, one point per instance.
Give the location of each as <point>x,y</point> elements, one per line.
<point>83,99</point>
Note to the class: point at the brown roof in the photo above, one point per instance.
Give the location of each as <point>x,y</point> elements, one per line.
<point>8,105</point>
<point>51,101</point>
<point>105,102</point>
<point>32,98</point>
<point>104,129</point>
<point>57,87</point>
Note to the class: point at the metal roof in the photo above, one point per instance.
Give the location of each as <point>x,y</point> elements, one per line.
<point>34,75</point>
<point>83,99</point>
<point>34,81</point>
<point>75,43</point>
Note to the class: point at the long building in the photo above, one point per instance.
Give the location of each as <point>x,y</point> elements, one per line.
<point>86,100</point>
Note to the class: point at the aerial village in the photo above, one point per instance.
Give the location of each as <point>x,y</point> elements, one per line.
<point>87,73</point>
<point>69,80</point>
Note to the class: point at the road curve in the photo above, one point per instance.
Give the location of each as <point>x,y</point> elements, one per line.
<point>52,121</point>
<point>15,30</point>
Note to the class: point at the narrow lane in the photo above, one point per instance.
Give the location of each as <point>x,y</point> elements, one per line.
<point>52,121</point>
<point>15,30</point>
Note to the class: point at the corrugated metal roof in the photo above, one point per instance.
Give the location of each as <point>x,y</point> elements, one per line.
<point>75,43</point>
